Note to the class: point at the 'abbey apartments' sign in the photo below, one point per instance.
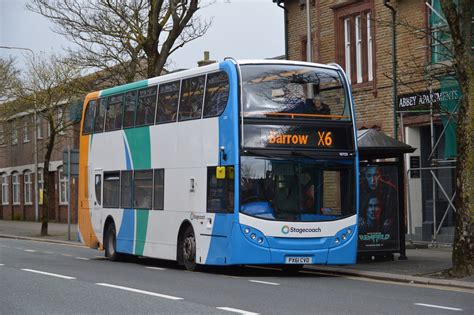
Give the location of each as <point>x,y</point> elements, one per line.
<point>422,100</point>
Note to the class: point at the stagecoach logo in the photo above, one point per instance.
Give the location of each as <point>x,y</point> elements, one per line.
<point>193,216</point>
<point>287,229</point>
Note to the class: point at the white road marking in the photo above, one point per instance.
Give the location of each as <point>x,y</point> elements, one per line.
<point>82,258</point>
<point>49,274</point>
<point>264,282</point>
<point>2,265</point>
<point>439,306</point>
<point>30,250</point>
<point>140,291</point>
<point>235,310</point>
<point>155,268</point>
<point>66,255</point>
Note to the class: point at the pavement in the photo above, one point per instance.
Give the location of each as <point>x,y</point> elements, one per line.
<point>423,266</point>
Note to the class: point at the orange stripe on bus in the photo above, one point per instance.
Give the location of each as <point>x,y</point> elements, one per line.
<point>84,212</point>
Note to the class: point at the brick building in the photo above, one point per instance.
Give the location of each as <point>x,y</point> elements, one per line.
<point>17,169</point>
<point>358,36</point>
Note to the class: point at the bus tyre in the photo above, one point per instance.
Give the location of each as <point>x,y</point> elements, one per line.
<point>188,248</point>
<point>292,269</point>
<point>110,244</point>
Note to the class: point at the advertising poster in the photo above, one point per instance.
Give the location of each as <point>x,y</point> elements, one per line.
<point>378,221</point>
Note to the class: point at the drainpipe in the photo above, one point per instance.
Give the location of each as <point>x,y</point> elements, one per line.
<point>285,10</point>
<point>394,68</point>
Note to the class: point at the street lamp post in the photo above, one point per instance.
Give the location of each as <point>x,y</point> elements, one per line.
<point>35,118</point>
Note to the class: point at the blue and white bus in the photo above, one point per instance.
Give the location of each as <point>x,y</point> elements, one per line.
<point>238,162</point>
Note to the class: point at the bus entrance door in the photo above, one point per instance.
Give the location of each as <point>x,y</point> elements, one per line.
<point>97,204</point>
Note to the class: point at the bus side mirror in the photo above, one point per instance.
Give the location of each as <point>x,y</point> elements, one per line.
<point>220,172</point>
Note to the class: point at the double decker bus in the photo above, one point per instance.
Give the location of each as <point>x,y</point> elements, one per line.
<point>238,162</point>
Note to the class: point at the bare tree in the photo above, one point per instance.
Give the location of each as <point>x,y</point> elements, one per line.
<point>459,20</point>
<point>130,39</point>
<point>49,87</point>
<point>8,79</point>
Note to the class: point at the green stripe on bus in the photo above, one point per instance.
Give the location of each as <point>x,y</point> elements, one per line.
<point>142,224</point>
<point>124,88</point>
<point>140,147</point>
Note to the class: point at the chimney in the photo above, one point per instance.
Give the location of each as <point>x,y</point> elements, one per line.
<point>206,60</point>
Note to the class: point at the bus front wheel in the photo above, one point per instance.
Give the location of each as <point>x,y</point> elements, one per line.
<point>188,250</point>
<point>110,244</point>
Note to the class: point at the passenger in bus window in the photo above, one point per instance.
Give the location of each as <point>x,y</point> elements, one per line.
<point>316,106</point>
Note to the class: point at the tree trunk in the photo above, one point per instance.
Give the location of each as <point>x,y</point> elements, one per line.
<point>459,22</point>
<point>46,182</point>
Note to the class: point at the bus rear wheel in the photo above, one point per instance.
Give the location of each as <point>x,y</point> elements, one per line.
<point>188,250</point>
<point>110,244</point>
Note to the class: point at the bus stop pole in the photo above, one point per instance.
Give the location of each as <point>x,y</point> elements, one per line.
<point>68,191</point>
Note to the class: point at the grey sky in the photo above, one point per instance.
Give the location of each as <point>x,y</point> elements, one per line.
<point>241,29</point>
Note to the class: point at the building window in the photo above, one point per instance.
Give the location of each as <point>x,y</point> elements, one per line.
<point>40,185</point>
<point>39,127</point>
<point>355,41</point>
<point>2,135</point>
<point>63,187</point>
<point>5,190</point>
<point>16,188</point>
<point>28,185</point>
<point>14,134</point>
<point>26,136</point>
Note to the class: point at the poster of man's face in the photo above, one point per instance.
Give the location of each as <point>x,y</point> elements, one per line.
<point>378,220</point>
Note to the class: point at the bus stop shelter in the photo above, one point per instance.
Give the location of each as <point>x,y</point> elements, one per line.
<point>381,195</point>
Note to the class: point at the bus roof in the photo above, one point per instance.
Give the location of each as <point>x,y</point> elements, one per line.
<point>200,70</point>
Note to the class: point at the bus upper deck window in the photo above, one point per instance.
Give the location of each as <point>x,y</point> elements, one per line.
<point>168,96</point>
<point>88,126</point>
<point>217,94</point>
<point>192,94</point>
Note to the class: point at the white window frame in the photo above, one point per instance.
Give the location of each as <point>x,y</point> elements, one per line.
<point>16,188</point>
<point>358,42</point>
<point>28,183</point>
<point>347,46</point>
<point>63,187</point>
<point>5,190</point>
<point>60,122</point>
<point>370,73</point>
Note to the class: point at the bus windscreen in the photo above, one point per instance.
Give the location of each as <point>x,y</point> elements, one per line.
<point>297,189</point>
<point>293,92</point>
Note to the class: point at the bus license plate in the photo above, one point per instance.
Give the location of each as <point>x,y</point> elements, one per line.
<point>299,260</point>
